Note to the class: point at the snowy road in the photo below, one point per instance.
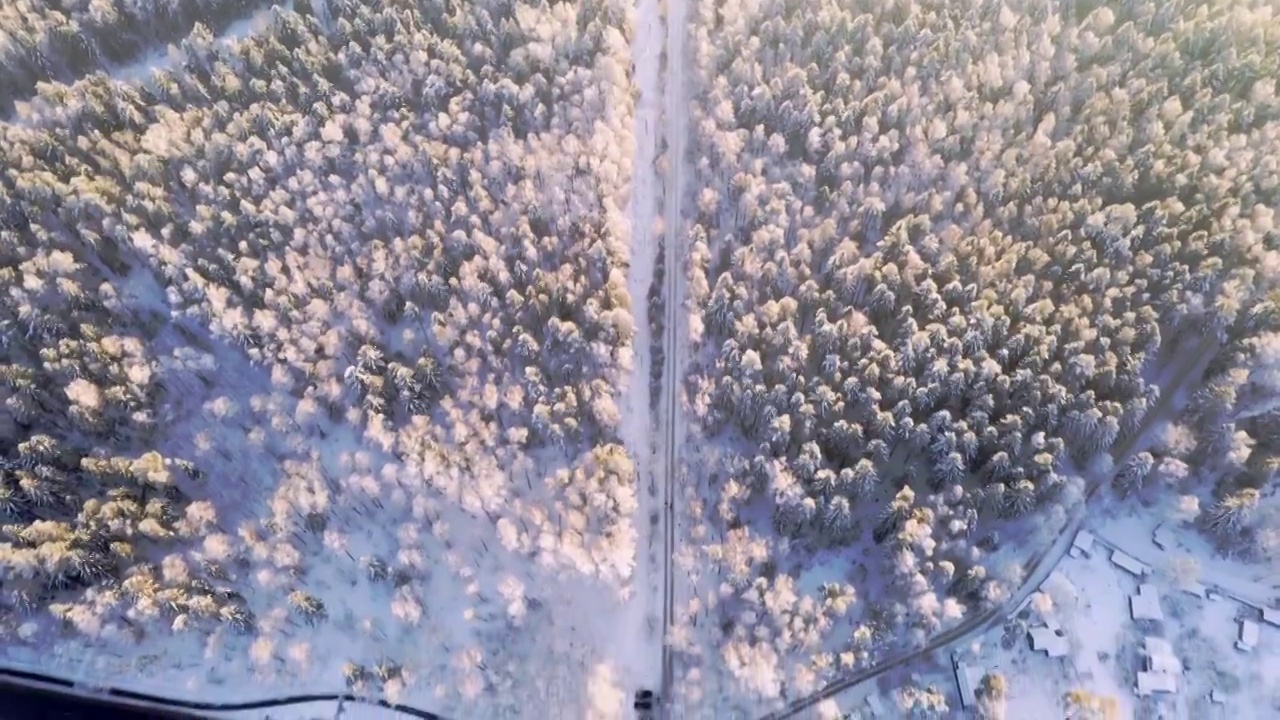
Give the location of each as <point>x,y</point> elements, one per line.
<point>646,618</point>
<point>675,115</point>
<point>676,128</point>
<point>1189,368</point>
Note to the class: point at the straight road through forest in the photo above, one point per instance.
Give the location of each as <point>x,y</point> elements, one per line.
<point>637,430</point>
<point>674,127</point>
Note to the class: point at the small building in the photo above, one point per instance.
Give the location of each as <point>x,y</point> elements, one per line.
<point>1162,668</point>
<point>1161,658</point>
<point>1163,537</point>
<point>1050,640</point>
<point>1146,604</point>
<point>1248,638</point>
<point>1082,545</point>
<point>967,680</point>
<point>874,706</point>
<point>1130,563</point>
<point>1149,683</point>
<point>1271,616</point>
<point>1217,697</point>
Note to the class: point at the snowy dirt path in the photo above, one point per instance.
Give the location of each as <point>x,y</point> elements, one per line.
<point>644,623</point>
<point>676,121</point>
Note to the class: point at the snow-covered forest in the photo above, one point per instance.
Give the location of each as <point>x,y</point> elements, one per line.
<point>44,41</point>
<point>311,351</point>
<point>316,342</point>
<point>943,258</point>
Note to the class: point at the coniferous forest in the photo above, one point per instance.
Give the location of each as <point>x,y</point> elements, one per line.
<point>317,324</point>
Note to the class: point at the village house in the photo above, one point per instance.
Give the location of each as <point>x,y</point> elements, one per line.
<point>1271,616</point>
<point>1161,668</point>
<point>1130,563</point>
<point>1146,604</point>
<point>1082,545</point>
<point>967,680</point>
<point>1052,642</point>
<point>1248,638</point>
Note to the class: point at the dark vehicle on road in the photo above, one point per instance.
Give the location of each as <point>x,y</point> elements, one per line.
<point>645,704</point>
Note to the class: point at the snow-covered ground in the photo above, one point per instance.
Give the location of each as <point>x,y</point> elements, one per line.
<point>1023,565</point>
<point>467,638</point>
<point>1090,598</point>
<point>642,634</point>
<point>1134,533</point>
<point>1106,646</point>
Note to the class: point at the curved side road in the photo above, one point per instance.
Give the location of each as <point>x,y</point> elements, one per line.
<point>155,706</point>
<point>1189,366</point>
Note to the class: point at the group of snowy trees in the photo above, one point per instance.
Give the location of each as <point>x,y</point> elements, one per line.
<point>1220,458</point>
<point>44,41</point>
<point>370,260</point>
<point>941,253</point>
<point>355,287</point>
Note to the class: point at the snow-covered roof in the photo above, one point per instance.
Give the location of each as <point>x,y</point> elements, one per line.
<point>1154,682</point>
<point>874,705</point>
<point>967,679</point>
<point>1271,616</point>
<point>1167,663</point>
<point>1217,697</point>
<point>1248,634</point>
<point>1146,604</point>
<point>1163,668</point>
<point>1082,544</point>
<point>1164,537</point>
<point>1043,638</point>
<point>1130,563</point>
